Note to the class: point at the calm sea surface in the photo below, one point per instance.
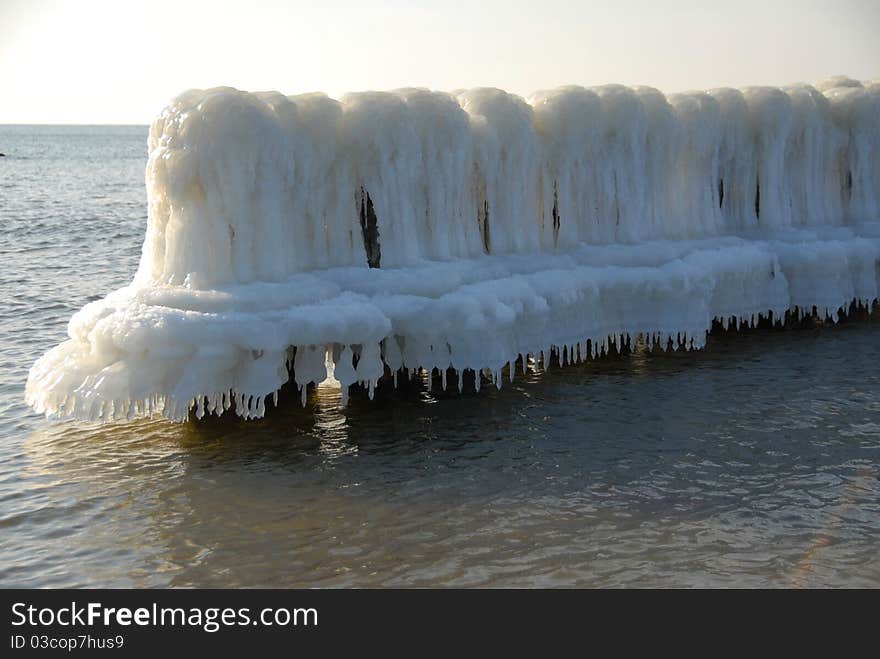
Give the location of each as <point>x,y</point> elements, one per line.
<point>754,463</point>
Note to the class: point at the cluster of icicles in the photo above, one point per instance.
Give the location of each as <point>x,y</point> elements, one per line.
<point>303,237</point>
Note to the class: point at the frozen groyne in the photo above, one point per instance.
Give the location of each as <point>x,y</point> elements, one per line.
<point>418,229</point>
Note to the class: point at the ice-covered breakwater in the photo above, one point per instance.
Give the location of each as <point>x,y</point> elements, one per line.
<point>418,229</point>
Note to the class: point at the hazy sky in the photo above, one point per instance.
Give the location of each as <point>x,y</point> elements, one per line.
<point>119,61</point>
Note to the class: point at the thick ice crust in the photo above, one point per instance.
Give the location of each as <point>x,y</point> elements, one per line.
<point>495,228</point>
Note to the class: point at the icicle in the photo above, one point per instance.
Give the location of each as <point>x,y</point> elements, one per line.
<point>345,372</point>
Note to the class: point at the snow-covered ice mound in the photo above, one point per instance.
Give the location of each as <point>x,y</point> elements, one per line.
<point>418,229</point>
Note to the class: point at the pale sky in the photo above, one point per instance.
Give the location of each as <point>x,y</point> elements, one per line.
<point>120,61</point>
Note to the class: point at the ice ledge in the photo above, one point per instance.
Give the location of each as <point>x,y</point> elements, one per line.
<point>173,350</point>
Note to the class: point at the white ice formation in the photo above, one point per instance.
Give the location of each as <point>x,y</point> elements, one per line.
<point>418,229</point>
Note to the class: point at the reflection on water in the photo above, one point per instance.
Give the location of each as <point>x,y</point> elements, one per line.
<point>753,463</point>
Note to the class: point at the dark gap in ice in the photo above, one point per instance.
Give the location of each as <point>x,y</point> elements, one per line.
<point>483,220</point>
<point>370,228</point>
<point>555,213</point>
<point>758,201</point>
<point>616,202</point>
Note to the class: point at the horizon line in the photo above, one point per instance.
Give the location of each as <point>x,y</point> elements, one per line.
<point>65,123</point>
